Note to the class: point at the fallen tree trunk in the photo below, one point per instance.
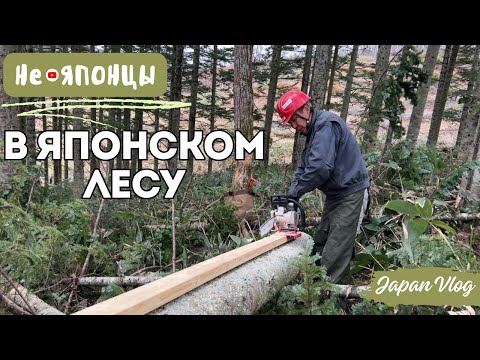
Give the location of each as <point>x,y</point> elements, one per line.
<point>243,290</point>
<point>39,306</point>
<point>152,296</point>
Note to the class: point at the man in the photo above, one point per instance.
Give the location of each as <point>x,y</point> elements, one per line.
<point>332,162</point>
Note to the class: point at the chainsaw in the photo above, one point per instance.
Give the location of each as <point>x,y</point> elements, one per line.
<point>287,216</point>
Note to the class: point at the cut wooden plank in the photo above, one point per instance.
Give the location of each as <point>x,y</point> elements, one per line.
<point>151,296</point>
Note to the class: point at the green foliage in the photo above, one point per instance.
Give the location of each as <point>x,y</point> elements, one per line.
<point>418,216</point>
<point>434,251</point>
<point>109,291</point>
<point>403,81</point>
<point>451,181</point>
<point>420,168</point>
<point>302,298</point>
<point>370,256</point>
<point>367,307</point>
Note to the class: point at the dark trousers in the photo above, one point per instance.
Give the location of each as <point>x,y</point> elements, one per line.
<point>334,239</point>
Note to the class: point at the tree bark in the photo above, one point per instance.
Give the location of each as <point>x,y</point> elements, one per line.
<point>119,131</point>
<point>325,85</point>
<point>193,100</point>
<point>243,113</point>
<point>8,115</point>
<point>39,306</point>
<point>349,83</point>
<point>272,91</point>
<point>320,75</point>
<point>299,142</point>
<point>422,95</point>
<point>376,102</point>
<point>333,67</point>
<point>442,92</point>
<point>213,100</point>
<point>469,101</point>
<point>45,128</point>
<point>467,147</point>
<point>93,130</point>
<point>120,281</point>
<point>472,173</point>
<point>156,126</point>
<point>137,125</point>
<point>176,93</point>
<point>244,290</point>
<point>78,175</point>
<point>126,126</point>
<point>56,125</point>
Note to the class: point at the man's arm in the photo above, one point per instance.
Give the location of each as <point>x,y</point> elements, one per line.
<point>298,173</point>
<point>319,163</point>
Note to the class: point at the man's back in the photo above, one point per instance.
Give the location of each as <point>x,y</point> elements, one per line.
<point>332,147</point>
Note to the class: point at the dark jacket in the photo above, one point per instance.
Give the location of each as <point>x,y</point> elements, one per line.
<point>331,160</point>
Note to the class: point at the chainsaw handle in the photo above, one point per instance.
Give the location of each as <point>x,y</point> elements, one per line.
<point>302,224</point>
<point>283,199</point>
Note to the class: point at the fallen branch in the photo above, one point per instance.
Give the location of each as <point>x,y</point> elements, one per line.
<point>350,291</point>
<point>120,281</point>
<point>38,306</point>
<point>14,308</point>
<point>89,254</point>
<point>94,235</point>
<point>459,217</point>
<point>313,221</point>
<point>197,225</point>
<point>16,287</point>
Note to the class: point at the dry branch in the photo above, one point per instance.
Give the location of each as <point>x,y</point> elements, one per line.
<point>14,308</point>
<point>350,291</point>
<point>39,306</point>
<point>313,221</point>
<point>120,281</point>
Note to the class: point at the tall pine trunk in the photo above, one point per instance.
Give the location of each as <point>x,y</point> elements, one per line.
<point>299,142</point>
<point>8,119</point>
<point>126,126</point>
<point>137,126</point>
<point>448,66</point>
<point>8,115</point>
<point>78,175</point>
<point>213,100</point>
<point>156,127</point>
<point>325,84</point>
<point>333,67</point>
<point>243,113</point>
<point>376,102</point>
<point>469,99</point>
<point>349,83</point>
<point>467,147</point>
<point>193,108</point>
<point>272,91</point>
<point>45,128</point>
<point>176,92</point>
<point>320,75</point>
<point>422,95</point>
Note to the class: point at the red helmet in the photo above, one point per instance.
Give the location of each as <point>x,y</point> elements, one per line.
<point>290,102</point>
